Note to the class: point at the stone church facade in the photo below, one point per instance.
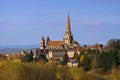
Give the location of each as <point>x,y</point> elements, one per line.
<point>57,49</point>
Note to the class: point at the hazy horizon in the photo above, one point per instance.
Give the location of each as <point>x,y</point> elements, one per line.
<point>24,22</point>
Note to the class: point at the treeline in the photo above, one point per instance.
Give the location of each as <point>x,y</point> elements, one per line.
<point>93,65</point>
<point>101,61</point>
<point>17,70</point>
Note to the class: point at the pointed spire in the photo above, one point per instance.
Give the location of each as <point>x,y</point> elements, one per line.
<point>42,38</point>
<point>68,29</point>
<point>47,39</point>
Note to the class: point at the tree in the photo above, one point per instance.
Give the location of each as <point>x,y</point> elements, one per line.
<point>108,60</point>
<point>115,58</point>
<point>2,57</point>
<point>65,59</point>
<point>43,57</point>
<point>11,70</point>
<point>95,61</point>
<point>28,57</point>
<point>113,44</point>
<point>76,57</point>
<point>78,73</point>
<point>63,73</point>
<point>86,63</point>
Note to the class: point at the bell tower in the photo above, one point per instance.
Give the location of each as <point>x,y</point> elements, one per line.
<point>68,37</point>
<point>42,43</point>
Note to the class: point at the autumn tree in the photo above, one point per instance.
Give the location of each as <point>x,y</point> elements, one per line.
<point>11,70</point>
<point>86,63</point>
<point>63,73</point>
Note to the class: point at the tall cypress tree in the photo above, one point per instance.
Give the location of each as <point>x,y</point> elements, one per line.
<point>65,59</point>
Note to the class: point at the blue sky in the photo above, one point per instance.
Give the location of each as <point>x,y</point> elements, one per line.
<point>23,22</point>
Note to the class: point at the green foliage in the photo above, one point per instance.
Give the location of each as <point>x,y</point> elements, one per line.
<point>86,63</point>
<point>42,57</point>
<point>78,73</point>
<point>113,44</point>
<point>115,58</point>
<point>109,60</point>
<point>11,70</point>
<point>102,60</point>
<point>16,70</point>
<point>76,56</point>
<point>65,59</point>
<point>36,71</point>
<point>92,76</point>
<point>93,62</point>
<point>82,58</point>
<point>82,53</point>
<point>91,52</point>
<point>96,61</point>
<point>106,63</point>
<point>63,73</point>
<point>28,57</point>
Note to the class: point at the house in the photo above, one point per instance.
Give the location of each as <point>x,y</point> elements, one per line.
<point>72,63</point>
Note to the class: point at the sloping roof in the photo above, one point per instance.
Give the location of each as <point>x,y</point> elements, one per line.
<point>75,42</point>
<point>54,43</point>
<point>89,47</point>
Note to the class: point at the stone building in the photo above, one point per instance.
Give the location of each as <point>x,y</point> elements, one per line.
<point>57,49</point>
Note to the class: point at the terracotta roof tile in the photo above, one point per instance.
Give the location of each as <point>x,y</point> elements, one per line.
<point>54,43</point>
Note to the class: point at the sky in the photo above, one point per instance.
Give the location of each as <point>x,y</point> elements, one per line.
<point>24,22</point>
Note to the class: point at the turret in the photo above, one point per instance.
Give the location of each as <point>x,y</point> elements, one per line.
<point>47,39</point>
<point>42,43</point>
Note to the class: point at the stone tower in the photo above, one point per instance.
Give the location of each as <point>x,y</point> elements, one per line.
<point>68,37</point>
<point>47,39</point>
<point>42,43</point>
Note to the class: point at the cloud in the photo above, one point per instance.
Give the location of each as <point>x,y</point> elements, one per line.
<point>54,22</point>
<point>98,23</point>
<point>49,22</point>
<point>26,21</point>
<point>14,21</point>
<point>86,22</point>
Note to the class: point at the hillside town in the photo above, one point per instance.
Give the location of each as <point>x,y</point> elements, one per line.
<point>56,50</point>
<point>63,60</point>
<point>59,39</point>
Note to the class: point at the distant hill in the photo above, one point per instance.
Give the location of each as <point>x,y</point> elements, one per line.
<point>17,48</point>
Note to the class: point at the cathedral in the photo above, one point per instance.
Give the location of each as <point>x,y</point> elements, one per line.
<point>57,49</point>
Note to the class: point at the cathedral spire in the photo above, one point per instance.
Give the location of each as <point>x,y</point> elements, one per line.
<point>68,29</point>
<point>68,37</point>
